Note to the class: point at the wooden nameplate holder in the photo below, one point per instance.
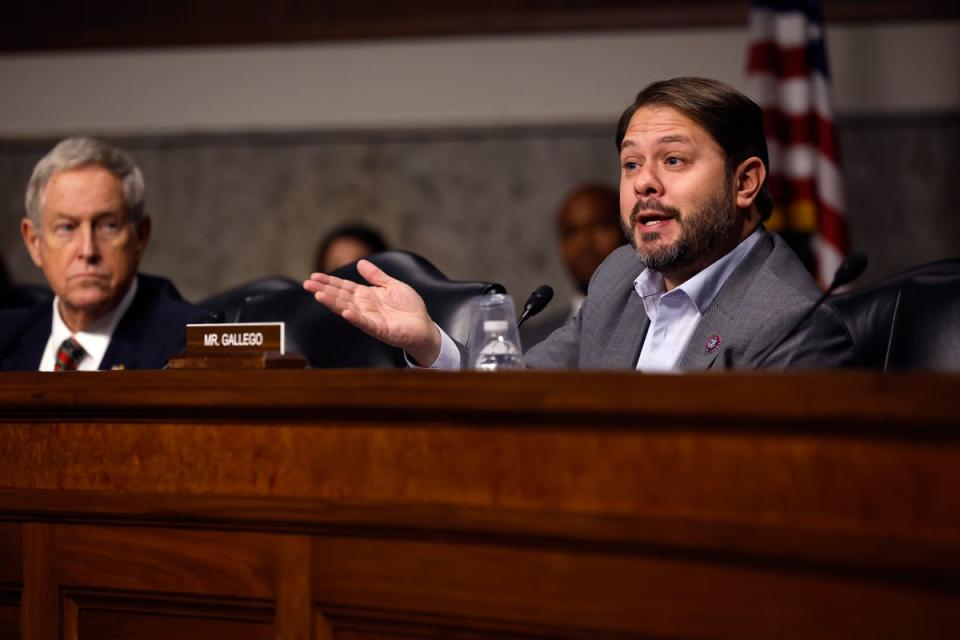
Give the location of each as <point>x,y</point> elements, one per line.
<point>250,345</point>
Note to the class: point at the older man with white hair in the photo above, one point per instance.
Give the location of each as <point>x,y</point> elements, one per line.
<point>86,230</point>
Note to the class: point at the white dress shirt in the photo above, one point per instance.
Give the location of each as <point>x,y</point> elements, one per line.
<point>94,340</point>
<point>674,315</point>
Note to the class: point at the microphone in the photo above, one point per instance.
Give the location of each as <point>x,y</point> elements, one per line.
<point>848,271</point>
<point>536,303</point>
<point>216,317</point>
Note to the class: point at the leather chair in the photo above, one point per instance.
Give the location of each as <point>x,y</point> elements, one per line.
<point>225,306</point>
<point>926,330</point>
<point>902,321</point>
<point>327,340</point>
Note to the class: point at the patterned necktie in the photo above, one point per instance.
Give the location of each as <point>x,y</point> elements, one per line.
<point>69,355</point>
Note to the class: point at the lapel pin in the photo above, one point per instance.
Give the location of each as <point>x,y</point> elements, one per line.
<point>712,344</point>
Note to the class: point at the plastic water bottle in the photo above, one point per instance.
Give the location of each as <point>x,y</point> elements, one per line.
<point>499,351</point>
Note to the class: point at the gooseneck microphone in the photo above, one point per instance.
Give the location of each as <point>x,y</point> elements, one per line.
<point>848,271</point>
<point>536,303</point>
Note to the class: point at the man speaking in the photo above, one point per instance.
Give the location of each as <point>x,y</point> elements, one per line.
<point>86,229</point>
<point>703,284</point>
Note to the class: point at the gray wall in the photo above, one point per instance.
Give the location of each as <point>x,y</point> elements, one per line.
<point>479,203</point>
<point>903,189</point>
<point>231,208</point>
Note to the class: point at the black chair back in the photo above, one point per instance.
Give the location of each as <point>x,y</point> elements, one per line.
<point>327,340</point>
<point>227,304</point>
<point>926,329</point>
<point>877,313</point>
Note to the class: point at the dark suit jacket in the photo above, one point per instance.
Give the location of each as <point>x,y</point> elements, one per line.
<point>149,334</point>
<point>767,293</point>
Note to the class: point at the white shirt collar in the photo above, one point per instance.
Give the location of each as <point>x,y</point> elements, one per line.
<point>674,315</point>
<point>95,339</point>
<point>576,301</point>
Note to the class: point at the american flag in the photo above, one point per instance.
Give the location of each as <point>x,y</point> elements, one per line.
<point>787,74</point>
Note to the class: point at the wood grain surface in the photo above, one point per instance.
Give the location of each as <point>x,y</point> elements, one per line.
<point>398,504</point>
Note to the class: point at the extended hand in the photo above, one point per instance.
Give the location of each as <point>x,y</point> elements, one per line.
<point>389,310</point>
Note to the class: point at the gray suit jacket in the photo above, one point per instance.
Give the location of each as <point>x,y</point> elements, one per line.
<point>768,292</point>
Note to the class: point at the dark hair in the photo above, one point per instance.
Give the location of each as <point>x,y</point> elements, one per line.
<point>732,119</point>
<point>360,232</point>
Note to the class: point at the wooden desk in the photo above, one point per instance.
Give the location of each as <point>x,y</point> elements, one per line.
<point>409,504</point>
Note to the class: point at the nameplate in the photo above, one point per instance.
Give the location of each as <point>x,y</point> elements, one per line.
<point>235,337</point>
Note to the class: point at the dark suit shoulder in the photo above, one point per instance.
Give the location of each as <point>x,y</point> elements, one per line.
<point>23,335</point>
<point>153,329</point>
<point>159,311</point>
<point>782,293</point>
<point>14,321</point>
<point>14,317</point>
<point>156,286</point>
<point>785,267</point>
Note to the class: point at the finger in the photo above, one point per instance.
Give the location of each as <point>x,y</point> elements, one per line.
<point>313,286</point>
<point>373,274</point>
<point>319,276</point>
<point>334,297</point>
<point>329,299</point>
<point>326,278</point>
<point>335,284</point>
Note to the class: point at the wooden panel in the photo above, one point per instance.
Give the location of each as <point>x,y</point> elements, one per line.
<point>11,566</point>
<point>9,612</point>
<point>836,402</point>
<point>113,625</point>
<point>39,607</point>
<point>834,494</point>
<point>294,615</point>
<point>554,593</point>
<point>542,505</point>
<point>154,576</point>
<point>614,471</point>
<point>377,630</point>
<point>382,625</point>
<point>217,563</point>
<point>11,579</point>
<point>115,616</point>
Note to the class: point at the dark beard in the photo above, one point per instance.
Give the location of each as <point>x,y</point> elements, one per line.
<point>700,233</point>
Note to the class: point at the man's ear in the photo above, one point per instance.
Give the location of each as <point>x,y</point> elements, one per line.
<point>749,178</point>
<point>31,238</point>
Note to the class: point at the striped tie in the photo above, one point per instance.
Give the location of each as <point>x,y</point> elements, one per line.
<point>69,355</point>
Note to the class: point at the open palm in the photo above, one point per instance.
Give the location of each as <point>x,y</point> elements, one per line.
<point>388,309</point>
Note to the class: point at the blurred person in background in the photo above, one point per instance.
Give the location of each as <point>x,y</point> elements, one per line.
<point>346,244</point>
<point>588,228</point>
